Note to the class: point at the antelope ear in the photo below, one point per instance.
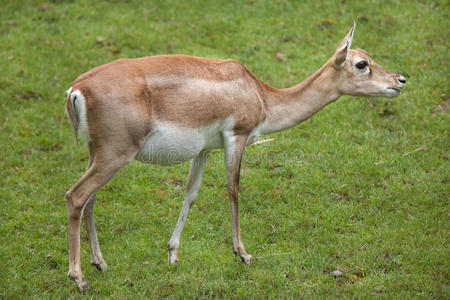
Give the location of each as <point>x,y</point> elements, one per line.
<point>340,56</point>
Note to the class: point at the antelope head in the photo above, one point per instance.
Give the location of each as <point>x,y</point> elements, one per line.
<point>359,75</point>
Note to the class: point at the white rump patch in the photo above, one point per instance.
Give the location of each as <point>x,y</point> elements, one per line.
<point>79,104</point>
<point>68,92</point>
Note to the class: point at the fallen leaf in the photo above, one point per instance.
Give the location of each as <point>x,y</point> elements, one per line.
<point>43,7</point>
<point>30,95</point>
<point>443,107</point>
<point>280,56</point>
<point>326,23</point>
<point>337,273</point>
<point>100,40</point>
<point>363,19</point>
<point>389,21</point>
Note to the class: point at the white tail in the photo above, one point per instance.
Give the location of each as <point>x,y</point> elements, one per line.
<point>171,108</point>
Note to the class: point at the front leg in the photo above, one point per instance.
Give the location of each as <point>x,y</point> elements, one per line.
<point>234,148</point>
<point>195,178</point>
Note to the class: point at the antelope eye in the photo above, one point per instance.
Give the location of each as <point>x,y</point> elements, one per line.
<point>362,64</point>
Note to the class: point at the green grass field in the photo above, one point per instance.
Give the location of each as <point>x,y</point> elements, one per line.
<point>362,187</point>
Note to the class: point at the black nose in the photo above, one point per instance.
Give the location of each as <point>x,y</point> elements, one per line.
<point>402,79</point>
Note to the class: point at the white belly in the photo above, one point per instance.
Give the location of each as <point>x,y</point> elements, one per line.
<point>169,144</point>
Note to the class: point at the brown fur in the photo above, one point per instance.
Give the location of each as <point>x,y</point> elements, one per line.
<point>130,91</point>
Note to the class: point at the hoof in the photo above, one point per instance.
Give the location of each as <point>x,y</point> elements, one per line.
<point>82,284</point>
<point>173,257</point>
<point>246,258</point>
<point>101,266</point>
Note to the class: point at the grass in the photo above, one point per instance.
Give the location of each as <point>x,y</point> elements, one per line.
<point>362,187</point>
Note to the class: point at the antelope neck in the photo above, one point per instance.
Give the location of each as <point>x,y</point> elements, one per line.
<point>290,106</point>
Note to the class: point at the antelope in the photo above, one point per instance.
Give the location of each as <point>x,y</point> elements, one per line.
<point>167,109</point>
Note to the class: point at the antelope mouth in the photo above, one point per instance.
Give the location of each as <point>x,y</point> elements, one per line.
<point>392,91</point>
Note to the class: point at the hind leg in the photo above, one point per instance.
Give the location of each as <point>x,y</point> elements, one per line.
<point>105,165</point>
<point>88,213</point>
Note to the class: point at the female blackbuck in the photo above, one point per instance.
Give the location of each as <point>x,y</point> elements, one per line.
<point>167,109</point>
